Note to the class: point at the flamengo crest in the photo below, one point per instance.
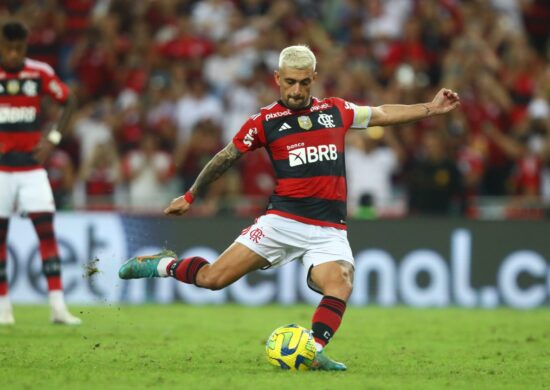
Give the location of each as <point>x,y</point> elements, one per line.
<point>326,120</point>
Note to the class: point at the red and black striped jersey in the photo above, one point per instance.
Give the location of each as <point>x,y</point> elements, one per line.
<point>20,123</point>
<point>306,148</point>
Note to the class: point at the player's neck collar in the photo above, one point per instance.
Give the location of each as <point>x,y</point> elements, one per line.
<point>11,70</point>
<point>297,109</point>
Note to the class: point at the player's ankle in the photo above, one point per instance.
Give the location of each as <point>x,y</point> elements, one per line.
<point>57,300</point>
<point>319,347</point>
<point>163,267</point>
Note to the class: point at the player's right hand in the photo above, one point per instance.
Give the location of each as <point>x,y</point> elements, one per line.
<point>43,150</point>
<point>178,206</point>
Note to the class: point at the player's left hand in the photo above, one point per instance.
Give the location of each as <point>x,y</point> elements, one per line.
<point>445,100</point>
<point>43,150</point>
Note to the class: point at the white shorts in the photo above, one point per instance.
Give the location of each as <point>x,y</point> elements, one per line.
<point>281,240</point>
<point>25,192</point>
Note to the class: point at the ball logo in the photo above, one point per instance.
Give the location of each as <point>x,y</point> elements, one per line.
<point>312,154</point>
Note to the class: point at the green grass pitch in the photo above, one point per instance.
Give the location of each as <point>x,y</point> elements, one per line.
<point>222,347</point>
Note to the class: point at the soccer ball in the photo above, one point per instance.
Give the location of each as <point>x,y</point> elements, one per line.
<point>291,347</point>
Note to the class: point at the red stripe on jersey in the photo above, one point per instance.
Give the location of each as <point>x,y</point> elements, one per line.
<point>307,220</point>
<point>20,142</point>
<point>20,169</point>
<point>279,149</point>
<point>21,101</point>
<point>323,187</point>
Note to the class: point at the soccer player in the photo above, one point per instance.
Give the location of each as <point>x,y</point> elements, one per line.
<point>23,148</point>
<point>306,215</point>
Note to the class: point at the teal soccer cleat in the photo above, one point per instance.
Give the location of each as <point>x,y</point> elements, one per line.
<point>323,363</point>
<point>144,266</point>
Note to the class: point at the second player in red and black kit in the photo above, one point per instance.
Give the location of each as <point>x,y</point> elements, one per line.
<point>23,149</point>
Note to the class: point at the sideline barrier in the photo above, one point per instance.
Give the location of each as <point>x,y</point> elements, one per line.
<point>415,262</point>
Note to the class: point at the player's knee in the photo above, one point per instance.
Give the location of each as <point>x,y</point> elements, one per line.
<point>345,287</point>
<point>341,283</point>
<point>344,275</point>
<point>341,291</point>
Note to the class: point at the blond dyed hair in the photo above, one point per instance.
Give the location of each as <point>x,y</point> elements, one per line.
<point>297,57</point>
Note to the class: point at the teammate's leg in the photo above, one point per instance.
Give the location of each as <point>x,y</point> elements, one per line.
<point>232,264</point>
<point>8,192</point>
<point>6,312</point>
<point>51,267</point>
<point>335,280</point>
<point>36,199</point>
<point>51,264</point>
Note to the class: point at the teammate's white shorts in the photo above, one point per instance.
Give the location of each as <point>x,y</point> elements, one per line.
<point>25,192</point>
<point>281,240</point>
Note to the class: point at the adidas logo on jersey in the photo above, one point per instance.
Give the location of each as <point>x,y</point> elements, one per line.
<point>285,126</point>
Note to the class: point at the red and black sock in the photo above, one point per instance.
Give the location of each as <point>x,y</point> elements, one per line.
<point>3,256</point>
<point>327,318</point>
<point>51,264</point>
<point>186,270</point>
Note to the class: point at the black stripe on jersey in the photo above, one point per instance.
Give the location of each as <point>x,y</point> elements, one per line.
<point>17,159</point>
<point>319,120</point>
<point>21,127</point>
<point>319,168</point>
<point>20,87</point>
<point>313,208</point>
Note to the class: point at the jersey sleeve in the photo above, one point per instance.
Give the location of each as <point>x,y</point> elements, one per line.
<point>54,87</point>
<point>250,136</point>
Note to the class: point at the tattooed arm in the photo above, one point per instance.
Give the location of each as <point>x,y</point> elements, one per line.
<point>216,167</point>
<point>393,114</point>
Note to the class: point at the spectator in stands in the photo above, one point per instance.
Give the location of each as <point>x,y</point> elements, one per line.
<point>99,176</point>
<point>93,62</point>
<point>372,159</point>
<point>434,181</point>
<point>527,146</point>
<point>222,69</point>
<point>191,157</point>
<point>46,29</point>
<point>93,125</point>
<point>197,104</point>
<point>160,110</point>
<point>147,172</point>
<point>128,127</point>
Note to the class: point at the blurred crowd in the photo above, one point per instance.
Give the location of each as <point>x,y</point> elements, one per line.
<point>162,85</point>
